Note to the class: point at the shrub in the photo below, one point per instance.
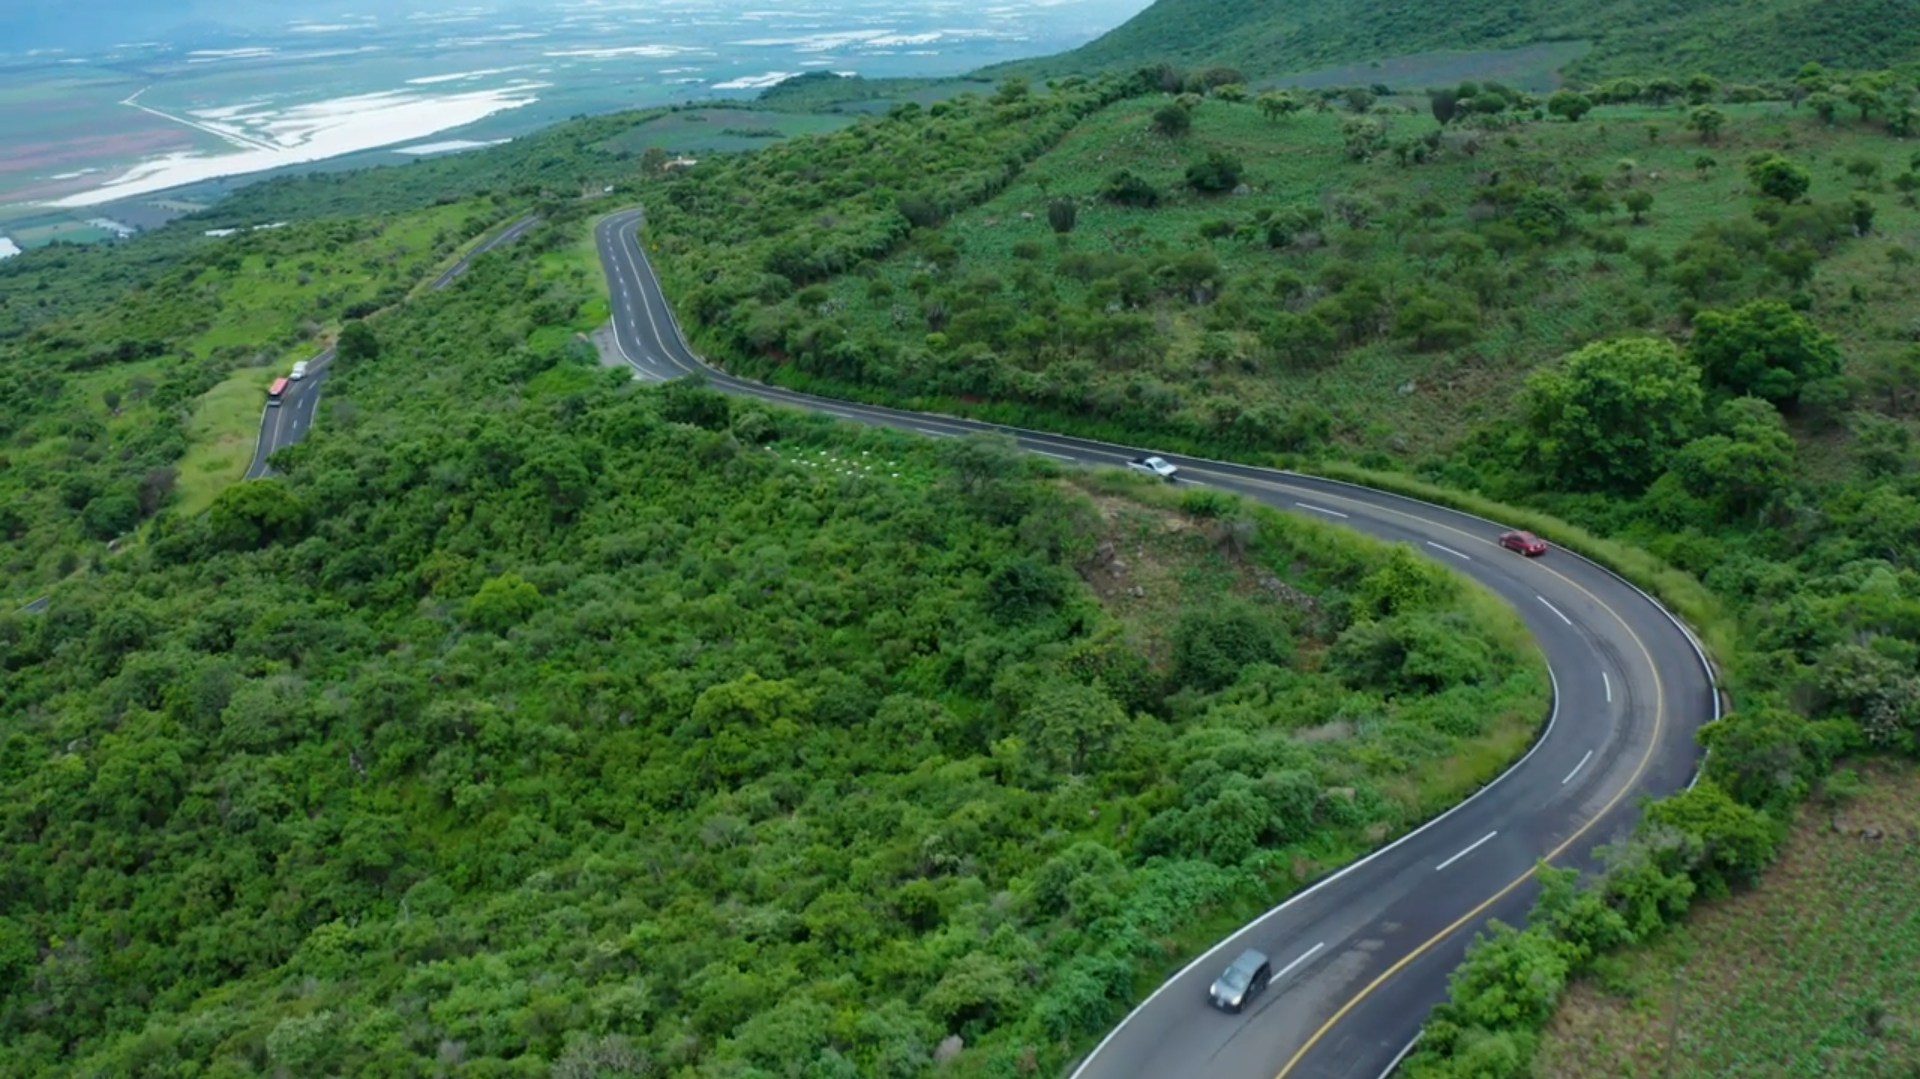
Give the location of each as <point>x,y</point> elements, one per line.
<point>1172,120</point>
<point>1212,645</point>
<point>1125,188</point>
<point>503,602</point>
<point>1734,842</point>
<point>1215,173</point>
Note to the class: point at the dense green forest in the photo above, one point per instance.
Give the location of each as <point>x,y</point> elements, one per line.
<point>538,722</point>
<point>1747,39</point>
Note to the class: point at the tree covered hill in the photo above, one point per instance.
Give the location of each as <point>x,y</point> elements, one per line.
<point>1667,319</point>
<point>109,352</point>
<point>1300,273</point>
<point>1746,39</point>
<point>134,371</point>
<point>539,723</point>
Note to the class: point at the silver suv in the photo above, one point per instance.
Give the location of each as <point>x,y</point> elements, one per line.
<point>1243,980</point>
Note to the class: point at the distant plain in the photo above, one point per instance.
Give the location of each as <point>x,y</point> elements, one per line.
<point>98,135</point>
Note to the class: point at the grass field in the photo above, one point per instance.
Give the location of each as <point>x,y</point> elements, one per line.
<point>1815,972</point>
<point>221,438</point>
<point>66,231</point>
<point>579,262</point>
<point>1385,395</point>
<point>1530,67</point>
<point>857,94</point>
<point>721,130</point>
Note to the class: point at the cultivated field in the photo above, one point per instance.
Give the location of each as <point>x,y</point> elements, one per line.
<point>1814,973</point>
<point>60,135</point>
<point>721,130</point>
<point>1531,67</point>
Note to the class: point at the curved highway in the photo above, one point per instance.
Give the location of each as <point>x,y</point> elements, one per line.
<point>290,422</point>
<point>1360,957</point>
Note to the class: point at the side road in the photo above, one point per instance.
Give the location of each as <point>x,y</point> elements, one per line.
<point>289,423</point>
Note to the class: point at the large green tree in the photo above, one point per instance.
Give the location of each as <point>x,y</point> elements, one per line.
<point>1609,416</point>
<point>1743,462</point>
<point>1764,348</point>
<point>1779,178</point>
<point>357,341</point>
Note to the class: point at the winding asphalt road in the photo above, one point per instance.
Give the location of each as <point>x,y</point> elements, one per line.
<point>1360,957</point>
<point>289,422</point>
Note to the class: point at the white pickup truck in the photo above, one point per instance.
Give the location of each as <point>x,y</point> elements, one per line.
<point>1153,466</point>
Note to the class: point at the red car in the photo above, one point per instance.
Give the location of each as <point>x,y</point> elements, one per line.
<point>1525,542</point>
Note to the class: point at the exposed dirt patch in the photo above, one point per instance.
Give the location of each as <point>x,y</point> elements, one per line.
<point>1150,563</point>
<point>606,347</point>
<point>36,159</point>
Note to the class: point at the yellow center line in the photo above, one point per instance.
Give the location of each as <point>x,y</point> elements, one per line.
<point>1646,758</point>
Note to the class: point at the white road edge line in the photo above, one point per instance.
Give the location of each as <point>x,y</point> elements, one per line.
<point>1553,718</point>
<point>936,434</point>
<point>1449,550</point>
<point>1288,969</point>
<point>1577,767</point>
<point>1607,683</point>
<point>1477,844</point>
<point>1555,610</point>
<point>1320,509</point>
<point>1055,456</point>
<point>619,345</point>
<point>1394,1064</point>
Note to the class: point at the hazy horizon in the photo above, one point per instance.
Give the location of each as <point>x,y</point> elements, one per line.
<point>36,26</point>
<point>243,88</point>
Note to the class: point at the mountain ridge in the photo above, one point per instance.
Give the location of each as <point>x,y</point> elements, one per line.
<point>1726,38</point>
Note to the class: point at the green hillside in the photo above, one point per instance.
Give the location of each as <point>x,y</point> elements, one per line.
<point>1670,323</point>
<point>538,723</point>
<point>533,721</point>
<point>1747,39</point>
<point>107,409</point>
